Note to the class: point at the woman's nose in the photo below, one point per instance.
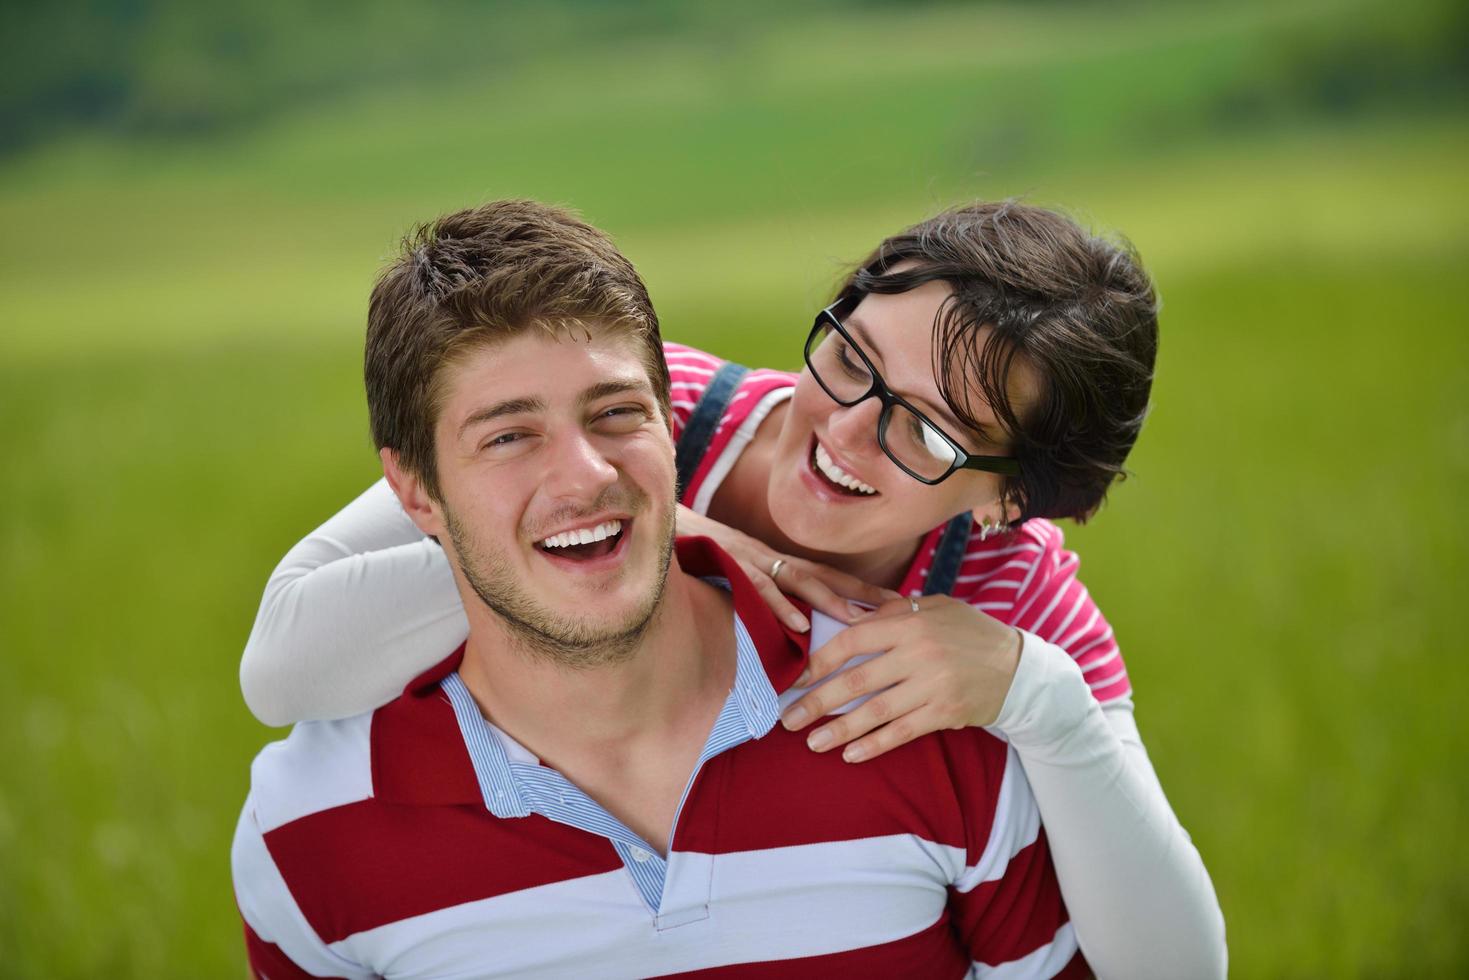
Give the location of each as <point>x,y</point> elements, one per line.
<point>853,428</point>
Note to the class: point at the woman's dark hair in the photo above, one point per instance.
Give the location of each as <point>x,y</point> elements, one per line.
<point>1076,307</point>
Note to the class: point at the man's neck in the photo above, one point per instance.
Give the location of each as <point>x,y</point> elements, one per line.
<point>682,665</point>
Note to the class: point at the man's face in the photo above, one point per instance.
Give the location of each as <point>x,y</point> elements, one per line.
<point>556,476</point>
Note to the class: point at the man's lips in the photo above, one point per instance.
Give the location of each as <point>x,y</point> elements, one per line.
<point>604,552</point>
<point>585,533</point>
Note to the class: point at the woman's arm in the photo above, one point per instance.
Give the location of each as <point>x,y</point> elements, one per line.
<point>1139,896</point>
<point>351,614</point>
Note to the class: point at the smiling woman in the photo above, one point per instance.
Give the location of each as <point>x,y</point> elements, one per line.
<point>1006,358</point>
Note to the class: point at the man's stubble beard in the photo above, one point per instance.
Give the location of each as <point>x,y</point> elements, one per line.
<point>563,641</point>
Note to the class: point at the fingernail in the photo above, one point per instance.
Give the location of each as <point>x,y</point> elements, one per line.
<point>804,679</point>
<point>794,718</point>
<point>889,593</point>
<point>853,753</point>
<point>819,740</point>
<point>857,612</point>
<point>797,622</point>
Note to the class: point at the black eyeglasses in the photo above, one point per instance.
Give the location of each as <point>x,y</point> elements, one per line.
<point>919,447</point>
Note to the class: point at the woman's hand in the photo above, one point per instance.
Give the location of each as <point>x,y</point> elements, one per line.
<point>948,665</point>
<point>821,586</point>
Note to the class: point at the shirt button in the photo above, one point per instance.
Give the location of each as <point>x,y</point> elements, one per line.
<point>639,855</point>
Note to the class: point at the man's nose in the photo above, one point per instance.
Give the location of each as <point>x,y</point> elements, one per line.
<point>578,468</point>
<point>853,428</point>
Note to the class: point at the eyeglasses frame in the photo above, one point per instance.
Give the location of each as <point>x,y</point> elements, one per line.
<point>963,460</point>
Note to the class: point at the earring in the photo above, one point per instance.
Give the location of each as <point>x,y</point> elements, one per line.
<point>988,530</point>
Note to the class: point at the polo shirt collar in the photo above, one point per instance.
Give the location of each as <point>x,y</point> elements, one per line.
<point>422,743</point>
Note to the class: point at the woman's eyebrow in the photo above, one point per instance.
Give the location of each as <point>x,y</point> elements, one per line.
<point>941,414</point>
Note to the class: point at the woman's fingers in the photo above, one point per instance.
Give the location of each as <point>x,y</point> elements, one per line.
<point>813,589</point>
<point>821,586</point>
<point>827,589</point>
<point>920,721</point>
<point>889,708</point>
<point>770,591</point>
<point>845,586</point>
<point>945,665</point>
<point>865,678</point>
<point>874,634</point>
<point>899,605</point>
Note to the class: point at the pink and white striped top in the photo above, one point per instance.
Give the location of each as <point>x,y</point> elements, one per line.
<point>1026,578</point>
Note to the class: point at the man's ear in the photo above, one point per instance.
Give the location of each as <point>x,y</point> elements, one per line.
<point>420,507</point>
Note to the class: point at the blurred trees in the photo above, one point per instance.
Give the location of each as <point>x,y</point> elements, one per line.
<point>166,67</point>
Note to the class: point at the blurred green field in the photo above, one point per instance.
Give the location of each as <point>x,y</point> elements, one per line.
<point>179,382</point>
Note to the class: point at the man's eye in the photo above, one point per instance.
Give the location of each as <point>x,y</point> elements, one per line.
<point>505,439</point>
<point>622,418</point>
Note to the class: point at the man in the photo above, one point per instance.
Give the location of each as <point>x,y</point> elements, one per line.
<point>595,784</point>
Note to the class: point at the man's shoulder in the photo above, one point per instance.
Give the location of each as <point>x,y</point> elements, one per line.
<point>320,765</point>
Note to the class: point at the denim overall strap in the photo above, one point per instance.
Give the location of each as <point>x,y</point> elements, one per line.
<point>949,555</point>
<point>694,442</point>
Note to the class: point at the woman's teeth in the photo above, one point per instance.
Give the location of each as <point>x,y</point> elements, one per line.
<point>586,535</point>
<point>837,475</point>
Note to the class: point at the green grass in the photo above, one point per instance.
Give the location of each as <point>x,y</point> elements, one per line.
<point>179,383</point>
<point>1287,556</point>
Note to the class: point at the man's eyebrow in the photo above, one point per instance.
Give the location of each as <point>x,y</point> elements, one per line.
<point>618,386</point>
<point>511,406</point>
<point>520,406</point>
<point>933,411</point>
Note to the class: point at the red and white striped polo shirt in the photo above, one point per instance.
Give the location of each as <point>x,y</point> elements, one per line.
<point>419,840</point>
<point>1025,578</point>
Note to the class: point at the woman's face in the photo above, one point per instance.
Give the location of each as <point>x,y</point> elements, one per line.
<point>820,439</point>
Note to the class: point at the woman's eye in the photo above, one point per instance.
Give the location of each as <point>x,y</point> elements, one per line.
<point>935,444</point>
<point>844,358</point>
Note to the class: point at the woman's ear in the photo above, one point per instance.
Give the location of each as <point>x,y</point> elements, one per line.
<point>997,512</point>
<point>420,507</point>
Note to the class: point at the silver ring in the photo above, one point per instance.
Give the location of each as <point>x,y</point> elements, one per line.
<point>775,568</point>
<point>913,603</point>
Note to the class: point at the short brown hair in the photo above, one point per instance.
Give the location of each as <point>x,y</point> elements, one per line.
<point>477,276</point>
<point>1077,307</point>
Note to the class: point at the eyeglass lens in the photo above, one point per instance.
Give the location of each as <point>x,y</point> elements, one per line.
<point>911,441</point>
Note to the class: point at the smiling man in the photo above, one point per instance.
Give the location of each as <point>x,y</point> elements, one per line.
<point>595,783</point>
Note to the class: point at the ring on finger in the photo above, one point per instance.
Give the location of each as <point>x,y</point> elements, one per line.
<point>776,567</point>
<point>912,603</point>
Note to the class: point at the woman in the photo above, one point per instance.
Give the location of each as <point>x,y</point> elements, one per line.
<point>978,374</point>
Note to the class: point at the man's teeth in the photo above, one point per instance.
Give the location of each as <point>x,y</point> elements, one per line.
<point>837,475</point>
<point>585,535</point>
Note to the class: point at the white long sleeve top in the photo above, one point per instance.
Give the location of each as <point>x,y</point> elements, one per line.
<point>366,602</point>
